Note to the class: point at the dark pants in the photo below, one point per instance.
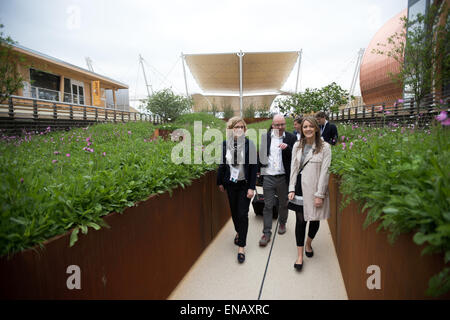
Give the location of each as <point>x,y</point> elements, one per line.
<point>300,228</point>
<point>239,205</point>
<point>300,223</point>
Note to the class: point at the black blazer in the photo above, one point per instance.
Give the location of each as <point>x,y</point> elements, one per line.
<point>330,133</point>
<point>286,154</point>
<point>250,169</point>
<point>295,133</point>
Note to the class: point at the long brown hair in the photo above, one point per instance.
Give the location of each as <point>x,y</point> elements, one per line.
<point>317,138</point>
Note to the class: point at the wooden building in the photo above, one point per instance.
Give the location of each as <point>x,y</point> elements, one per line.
<point>49,78</point>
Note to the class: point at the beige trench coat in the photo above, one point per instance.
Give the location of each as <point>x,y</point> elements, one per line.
<point>315,178</point>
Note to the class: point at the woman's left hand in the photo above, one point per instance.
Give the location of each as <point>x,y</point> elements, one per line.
<point>318,202</point>
<point>250,193</point>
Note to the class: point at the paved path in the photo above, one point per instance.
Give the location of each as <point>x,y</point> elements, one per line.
<point>218,276</point>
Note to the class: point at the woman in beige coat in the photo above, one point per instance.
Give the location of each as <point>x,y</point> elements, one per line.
<point>311,156</point>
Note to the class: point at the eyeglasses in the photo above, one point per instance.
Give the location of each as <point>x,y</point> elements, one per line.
<point>279,124</point>
<point>239,127</point>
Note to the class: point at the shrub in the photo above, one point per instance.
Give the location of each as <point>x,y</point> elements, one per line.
<point>168,105</point>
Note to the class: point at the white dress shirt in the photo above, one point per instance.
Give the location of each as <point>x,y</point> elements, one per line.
<point>275,163</point>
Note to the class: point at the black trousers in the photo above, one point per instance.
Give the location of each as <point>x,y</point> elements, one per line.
<point>239,205</point>
<point>300,223</point>
<point>300,228</point>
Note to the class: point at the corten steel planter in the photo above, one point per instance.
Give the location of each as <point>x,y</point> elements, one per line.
<point>143,255</point>
<point>404,273</point>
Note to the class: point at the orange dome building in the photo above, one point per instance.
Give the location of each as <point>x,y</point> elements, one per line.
<point>376,84</point>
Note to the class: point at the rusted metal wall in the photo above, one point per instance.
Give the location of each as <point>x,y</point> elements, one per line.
<point>404,273</point>
<point>145,253</point>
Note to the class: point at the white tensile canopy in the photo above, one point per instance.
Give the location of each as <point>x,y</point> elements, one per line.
<point>245,76</point>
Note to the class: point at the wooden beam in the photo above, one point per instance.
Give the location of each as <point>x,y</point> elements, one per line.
<point>114,98</point>
<point>61,88</point>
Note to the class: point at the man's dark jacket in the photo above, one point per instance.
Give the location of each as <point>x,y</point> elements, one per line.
<point>330,133</point>
<point>286,154</point>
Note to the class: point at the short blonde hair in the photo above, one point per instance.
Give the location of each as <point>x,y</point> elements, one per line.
<point>232,122</point>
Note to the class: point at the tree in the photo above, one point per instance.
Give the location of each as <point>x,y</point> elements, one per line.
<point>10,78</point>
<point>422,50</point>
<point>168,105</point>
<point>328,98</point>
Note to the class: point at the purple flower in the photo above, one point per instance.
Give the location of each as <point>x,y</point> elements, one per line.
<point>67,154</point>
<point>388,112</point>
<point>129,132</point>
<point>343,138</point>
<point>400,100</point>
<point>442,116</point>
<point>351,145</point>
<point>56,152</point>
<point>343,146</point>
<point>21,180</point>
<point>446,122</point>
<point>54,161</point>
<point>104,154</point>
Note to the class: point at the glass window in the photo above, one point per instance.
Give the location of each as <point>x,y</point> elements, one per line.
<point>67,85</point>
<point>44,80</point>
<point>418,7</point>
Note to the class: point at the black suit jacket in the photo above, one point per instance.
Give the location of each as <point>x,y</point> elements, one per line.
<point>330,133</point>
<point>286,154</point>
<point>250,169</point>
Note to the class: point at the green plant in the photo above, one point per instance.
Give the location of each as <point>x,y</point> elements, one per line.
<point>328,98</point>
<point>228,111</point>
<point>400,175</point>
<point>250,111</point>
<point>10,78</point>
<point>54,182</point>
<point>263,111</point>
<point>168,105</point>
<point>422,51</point>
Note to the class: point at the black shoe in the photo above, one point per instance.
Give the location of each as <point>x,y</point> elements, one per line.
<point>241,257</point>
<point>236,239</point>
<point>298,266</point>
<point>309,254</point>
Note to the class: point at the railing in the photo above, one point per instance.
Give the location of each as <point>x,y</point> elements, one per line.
<point>41,109</point>
<point>46,94</point>
<point>406,111</point>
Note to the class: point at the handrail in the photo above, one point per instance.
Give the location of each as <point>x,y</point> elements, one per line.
<point>37,109</point>
<point>392,109</point>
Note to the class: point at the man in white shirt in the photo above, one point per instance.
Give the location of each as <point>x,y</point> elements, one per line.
<point>275,164</point>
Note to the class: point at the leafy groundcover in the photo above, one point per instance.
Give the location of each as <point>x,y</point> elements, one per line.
<point>401,175</point>
<point>52,182</point>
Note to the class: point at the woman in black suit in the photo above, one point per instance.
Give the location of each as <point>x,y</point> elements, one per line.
<point>237,175</point>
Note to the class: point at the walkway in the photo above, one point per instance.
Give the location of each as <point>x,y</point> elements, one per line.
<point>218,276</point>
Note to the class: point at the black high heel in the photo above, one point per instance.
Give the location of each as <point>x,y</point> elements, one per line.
<point>298,266</point>
<point>241,257</point>
<point>309,254</point>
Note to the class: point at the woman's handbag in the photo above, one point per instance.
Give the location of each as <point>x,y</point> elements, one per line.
<point>296,204</point>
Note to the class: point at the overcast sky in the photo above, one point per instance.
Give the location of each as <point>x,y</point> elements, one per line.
<point>114,32</point>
